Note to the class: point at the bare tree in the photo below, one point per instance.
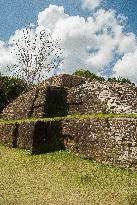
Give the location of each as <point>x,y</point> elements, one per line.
<point>37,53</point>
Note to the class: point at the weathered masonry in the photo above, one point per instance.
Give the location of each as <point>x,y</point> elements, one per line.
<point>107,140</point>
<point>66,94</point>
<point>110,140</point>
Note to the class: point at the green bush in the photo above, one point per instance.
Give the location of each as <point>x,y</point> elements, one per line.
<point>10,88</point>
<point>87,74</point>
<point>120,79</point>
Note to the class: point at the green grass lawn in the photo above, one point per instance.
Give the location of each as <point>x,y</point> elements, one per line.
<point>61,178</point>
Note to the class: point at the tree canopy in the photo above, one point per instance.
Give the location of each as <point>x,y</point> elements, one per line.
<point>37,53</point>
<point>88,74</point>
<point>120,79</point>
<point>10,89</point>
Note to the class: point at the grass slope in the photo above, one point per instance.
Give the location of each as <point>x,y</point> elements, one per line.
<point>61,178</point>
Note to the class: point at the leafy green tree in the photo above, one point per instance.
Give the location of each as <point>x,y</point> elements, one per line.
<point>10,89</point>
<point>87,74</point>
<point>120,79</point>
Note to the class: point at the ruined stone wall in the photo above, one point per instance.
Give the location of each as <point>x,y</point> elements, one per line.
<point>112,141</point>
<point>42,101</point>
<point>8,134</point>
<point>66,94</point>
<point>27,105</point>
<point>102,96</point>
<point>38,137</point>
<point>47,101</point>
<point>64,80</point>
<point>21,107</point>
<point>83,99</point>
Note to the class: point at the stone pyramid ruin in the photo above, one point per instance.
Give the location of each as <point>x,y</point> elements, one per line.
<point>107,140</point>
<point>68,95</point>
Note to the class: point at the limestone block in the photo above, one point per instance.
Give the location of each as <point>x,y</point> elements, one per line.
<point>25,135</point>
<point>40,136</point>
<point>112,141</point>
<point>8,134</point>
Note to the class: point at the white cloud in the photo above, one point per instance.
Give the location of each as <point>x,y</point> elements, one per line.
<point>127,66</point>
<point>128,43</point>
<point>90,43</point>
<point>50,16</point>
<point>90,4</point>
<point>6,58</point>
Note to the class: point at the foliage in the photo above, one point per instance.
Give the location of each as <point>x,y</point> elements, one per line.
<point>10,88</point>
<point>120,79</point>
<point>87,74</point>
<point>37,53</point>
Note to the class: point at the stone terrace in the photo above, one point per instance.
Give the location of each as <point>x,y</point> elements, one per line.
<point>108,140</point>
<point>66,94</point>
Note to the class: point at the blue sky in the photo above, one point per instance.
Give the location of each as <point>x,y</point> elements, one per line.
<point>15,14</point>
<point>94,33</point>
